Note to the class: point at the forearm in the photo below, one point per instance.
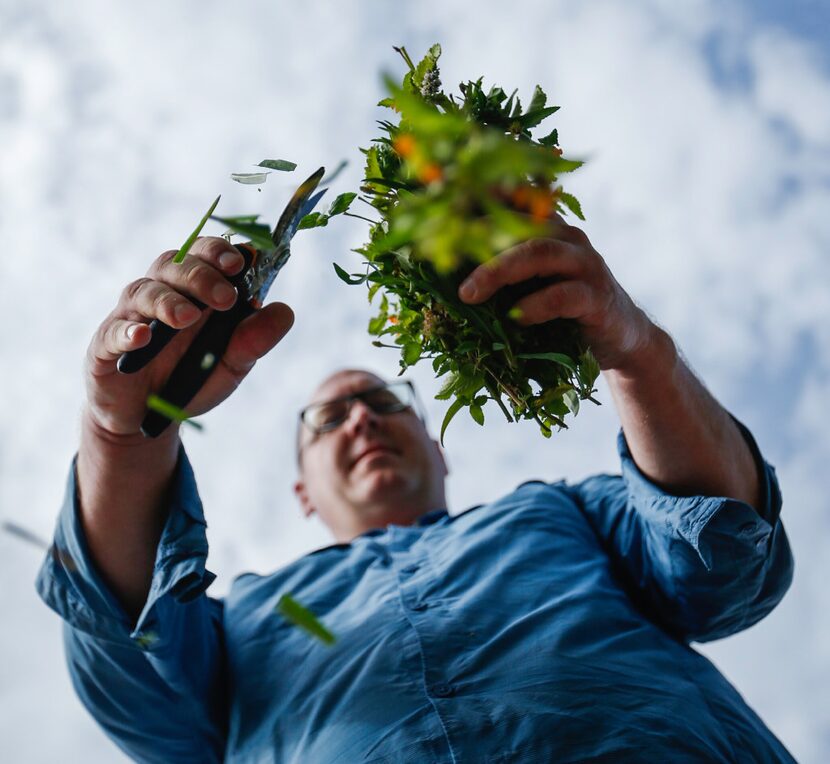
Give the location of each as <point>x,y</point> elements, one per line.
<point>122,490</point>
<point>680,437</point>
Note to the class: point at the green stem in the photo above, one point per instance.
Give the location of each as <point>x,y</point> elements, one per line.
<point>360,217</point>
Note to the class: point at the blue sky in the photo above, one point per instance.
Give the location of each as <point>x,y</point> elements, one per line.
<point>706,127</point>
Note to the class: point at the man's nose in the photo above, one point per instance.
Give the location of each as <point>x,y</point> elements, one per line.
<point>361,416</point>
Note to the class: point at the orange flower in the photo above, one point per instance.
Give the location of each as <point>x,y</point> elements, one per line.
<point>521,197</point>
<point>540,205</point>
<point>393,319</point>
<point>404,144</point>
<point>430,173</point>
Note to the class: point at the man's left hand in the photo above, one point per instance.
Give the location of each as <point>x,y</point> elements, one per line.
<point>611,324</point>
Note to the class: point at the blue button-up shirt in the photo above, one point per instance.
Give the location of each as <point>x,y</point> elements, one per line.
<point>551,625</point>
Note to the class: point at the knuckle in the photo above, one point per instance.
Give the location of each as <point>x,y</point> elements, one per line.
<point>132,292</point>
<point>198,276</point>
<point>211,246</point>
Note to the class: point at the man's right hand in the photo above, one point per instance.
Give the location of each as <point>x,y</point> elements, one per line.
<point>116,401</point>
<point>123,478</point>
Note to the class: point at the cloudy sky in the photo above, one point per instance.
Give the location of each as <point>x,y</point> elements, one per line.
<point>707,190</point>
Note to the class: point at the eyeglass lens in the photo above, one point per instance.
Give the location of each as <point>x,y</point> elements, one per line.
<point>382,400</point>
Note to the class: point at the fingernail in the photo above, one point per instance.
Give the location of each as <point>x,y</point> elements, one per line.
<point>186,312</point>
<point>467,291</point>
<point>230,259</point>
<point>223,293</point>
<point>131,330</point>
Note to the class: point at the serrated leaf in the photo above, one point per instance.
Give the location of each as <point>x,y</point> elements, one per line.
<point>551,139</point>
<point>538,100</point>
<point>250,178</point>
<point>572,203</point>
<point>559,358</point>
<point>185,248</point>
<point>454,408</point>
<point>533,118</point>
<point>303,618</point>
<point>283,165</point>
<point>341,204</point>
<point>448,387</point>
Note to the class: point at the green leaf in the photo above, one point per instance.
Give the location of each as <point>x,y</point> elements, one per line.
<point>249,178</point>
<point>348,278</point>
<point>538,100</point>
<point>258,234</point>
<point>302,617</point>
<point>533,118</point>
<point>278,164</point>
<point>313,220</point>
<point>377,323</point>
<point>185,248</point>
<point>571,401</point>
<point>499,346</point>
<point>174,413</point>
<point>559,358</point>
<point>454,408</point>
<point>572,203</point>
<point>341,204</point>
<point>411,353</point>
<point>551,139</point>
<point>448,388</point>
<point>477,413</point>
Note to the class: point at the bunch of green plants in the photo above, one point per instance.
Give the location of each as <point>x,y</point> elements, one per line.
<point>453,182</point>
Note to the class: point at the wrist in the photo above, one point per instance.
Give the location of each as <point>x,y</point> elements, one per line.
<point>655,356</point>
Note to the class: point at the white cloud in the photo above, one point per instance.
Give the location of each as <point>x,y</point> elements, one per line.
<point>118,124</point>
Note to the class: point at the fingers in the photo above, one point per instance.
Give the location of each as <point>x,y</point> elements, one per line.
<point>565,299</point>
<point>537,257</point>
<point>116,336</point>
<point>255,336</point>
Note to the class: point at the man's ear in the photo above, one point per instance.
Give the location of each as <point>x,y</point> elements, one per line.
<point>302,494</point>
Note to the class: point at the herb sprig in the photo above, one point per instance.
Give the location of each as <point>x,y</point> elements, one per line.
<point>454,182</point>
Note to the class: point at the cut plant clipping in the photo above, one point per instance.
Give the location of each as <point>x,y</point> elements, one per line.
<point>304,619</point>
<point>451,183</point>
<point>174,413</point>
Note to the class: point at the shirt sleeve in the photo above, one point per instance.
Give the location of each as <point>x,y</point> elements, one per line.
<point>704,567</point>
<point>156,687</point>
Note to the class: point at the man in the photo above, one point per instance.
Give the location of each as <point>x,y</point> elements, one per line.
<point>552,624</point>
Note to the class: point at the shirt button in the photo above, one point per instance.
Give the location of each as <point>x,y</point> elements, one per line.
<point>442,690</point>
<point>418,606</point>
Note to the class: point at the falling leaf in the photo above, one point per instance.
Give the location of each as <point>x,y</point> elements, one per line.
<point>180,255</point>
<point>250,178</point>
<point>278,164</point>
<point>302,617</point>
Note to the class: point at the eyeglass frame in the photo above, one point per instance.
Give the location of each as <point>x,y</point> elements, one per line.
<point>350,398</point>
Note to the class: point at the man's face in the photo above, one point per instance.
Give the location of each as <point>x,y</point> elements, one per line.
<point>398,480</point>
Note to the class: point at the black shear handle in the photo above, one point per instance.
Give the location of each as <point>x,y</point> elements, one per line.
<point>201,358</point>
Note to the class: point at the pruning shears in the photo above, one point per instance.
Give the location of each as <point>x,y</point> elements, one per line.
<point>252,284</point>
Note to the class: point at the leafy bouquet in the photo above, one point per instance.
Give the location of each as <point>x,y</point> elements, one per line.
<point>455,182</point>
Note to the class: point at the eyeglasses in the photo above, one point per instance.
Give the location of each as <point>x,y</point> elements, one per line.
<point>389,398</point>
